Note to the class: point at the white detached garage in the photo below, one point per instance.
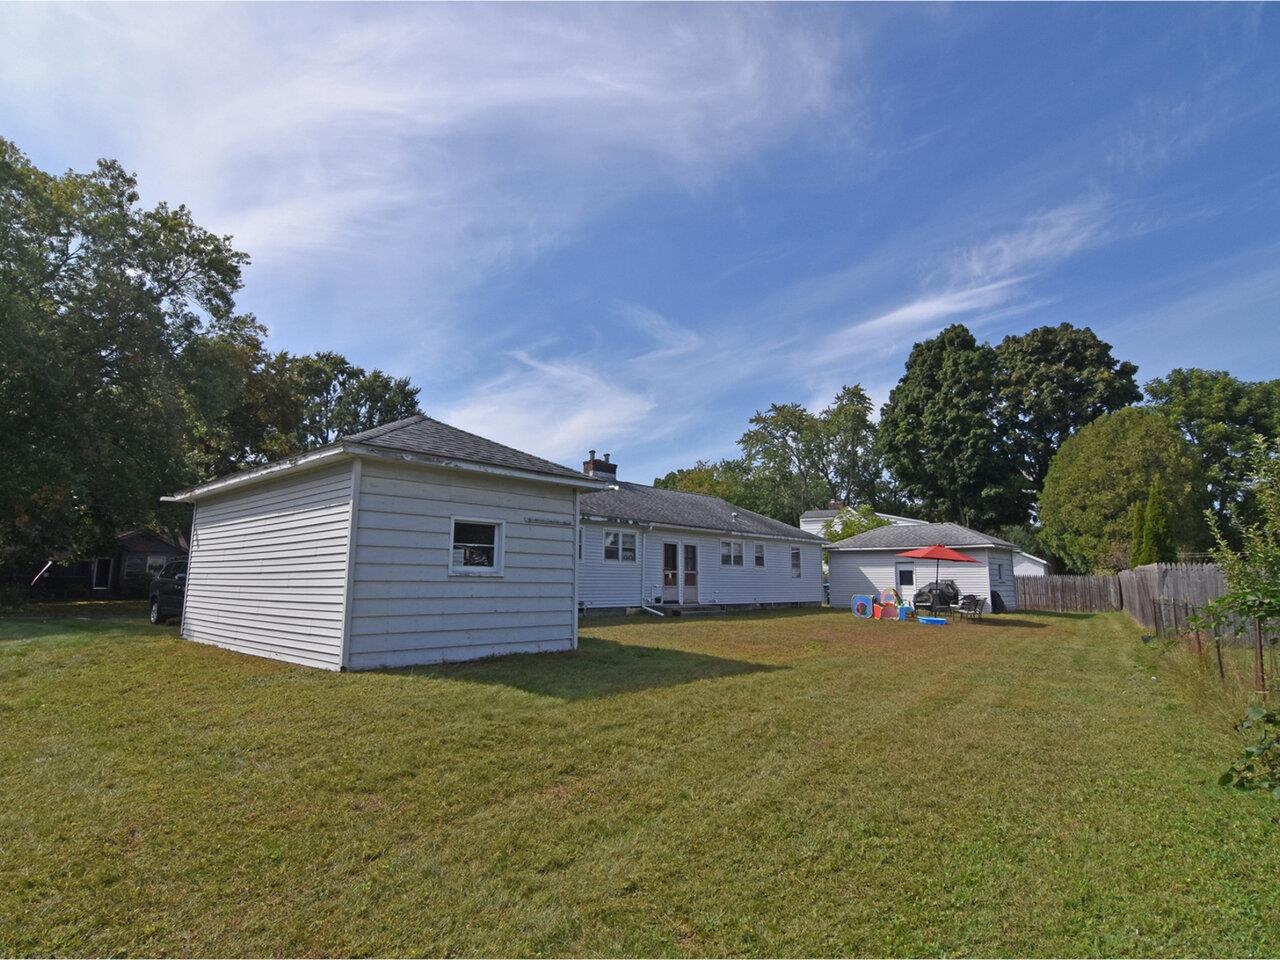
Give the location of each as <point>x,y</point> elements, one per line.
<point>412,543</point>
<point>869,563</point>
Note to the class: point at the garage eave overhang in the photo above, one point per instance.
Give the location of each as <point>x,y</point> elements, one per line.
<point>347,450</point>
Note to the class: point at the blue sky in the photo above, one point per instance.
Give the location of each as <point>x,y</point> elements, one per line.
<point>630,227</point>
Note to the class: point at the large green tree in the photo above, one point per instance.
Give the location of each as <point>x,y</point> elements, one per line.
<point>794,460</point>
<point>854,472</point>
<point>1086,509</point>
<point>99,299</point>
<point>1050,382</point>
<point>941,438</point>
<point>339,398</point>
<point>126,371</point>
<point>1221,415</point>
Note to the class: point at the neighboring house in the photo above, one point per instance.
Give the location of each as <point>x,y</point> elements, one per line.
<point>869,563</point>
<point>411,543</point>
<point>641,545</point>
<point>1025,565</point>
<point>812,521</point>
<point>124,572</point>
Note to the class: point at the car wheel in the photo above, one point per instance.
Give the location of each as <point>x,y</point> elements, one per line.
<point>153,613</point>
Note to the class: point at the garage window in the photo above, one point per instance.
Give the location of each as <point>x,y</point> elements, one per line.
<point>759,554</point>
<point>477,547</point>
<point>795,561</point>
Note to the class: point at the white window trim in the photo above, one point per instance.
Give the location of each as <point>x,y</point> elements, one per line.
<point>797,564</point>
<point>759,552</point>
<point>499,548</point>
<point>635,551</point>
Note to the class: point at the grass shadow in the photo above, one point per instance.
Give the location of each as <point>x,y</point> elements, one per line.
<point>598,668</point>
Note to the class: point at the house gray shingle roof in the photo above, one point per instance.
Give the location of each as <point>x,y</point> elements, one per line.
<point>638,503</point>
<point>421,434</point>
<point>819,514</point>
<point>910,536</point>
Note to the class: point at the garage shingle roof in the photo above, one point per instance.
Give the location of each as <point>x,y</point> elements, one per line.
<point>637,503</point>
<point>420,434</point>
<point>910,536</point>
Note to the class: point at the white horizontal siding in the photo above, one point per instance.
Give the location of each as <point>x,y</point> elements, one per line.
<point>267,569</point>
<point>1025,565</point>
<point>748,583</point>
<point>1001,573</point>
<point>406,606</point>
<point>613,583</point>
<point>868,572</point>
<point>610,583</point>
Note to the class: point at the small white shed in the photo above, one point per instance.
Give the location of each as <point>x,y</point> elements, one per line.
<point>412,543</point>
<point>870,562</point>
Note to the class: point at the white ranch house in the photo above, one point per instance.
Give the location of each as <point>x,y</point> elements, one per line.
<point>812,521</point>
<point>408,544</point>
<point>645,546</point>
<point>870,562</point>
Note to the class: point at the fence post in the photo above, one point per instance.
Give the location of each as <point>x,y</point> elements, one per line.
<point>1199,645</point>
<point>1259,671</point>
<point>1217,642</point>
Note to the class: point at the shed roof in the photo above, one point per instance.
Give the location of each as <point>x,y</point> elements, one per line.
<point>907,536</point>
<point>419,438</point>
<point>637,503</point>
<point>422,434</point>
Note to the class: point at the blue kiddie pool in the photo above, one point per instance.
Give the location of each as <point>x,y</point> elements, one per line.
<point>933,621</point>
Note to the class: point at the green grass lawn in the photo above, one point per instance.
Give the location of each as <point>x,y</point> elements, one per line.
<point>779,784</point>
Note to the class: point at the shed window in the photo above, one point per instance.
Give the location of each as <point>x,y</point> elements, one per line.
<point>795,561</point>
<point>477,547</point>
<point>620,546</point>
<point>759,554</point>
<point>730,553</point>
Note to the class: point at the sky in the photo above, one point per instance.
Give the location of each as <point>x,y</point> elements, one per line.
<point>630,227</point>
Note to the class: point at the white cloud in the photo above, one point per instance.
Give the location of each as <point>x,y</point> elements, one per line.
<point>490,132</point>
<point>1042,239</point>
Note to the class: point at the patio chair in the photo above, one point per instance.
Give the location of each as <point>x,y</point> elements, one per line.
<point>970,607</point>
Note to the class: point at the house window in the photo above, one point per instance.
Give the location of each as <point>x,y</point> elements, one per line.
<point>730,554</point>
<point>155,563</point>
<point>477,547</point>
<point>620,546</point>
<point>759,554</point>
<point>999,571</point>
<point>795,561</point>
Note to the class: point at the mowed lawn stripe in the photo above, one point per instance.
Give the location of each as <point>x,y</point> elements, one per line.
<point>789,784</point>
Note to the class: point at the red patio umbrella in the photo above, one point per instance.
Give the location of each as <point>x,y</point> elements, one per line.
<point>938,553</point>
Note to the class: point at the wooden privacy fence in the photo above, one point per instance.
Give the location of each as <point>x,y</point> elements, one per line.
<point>1068,594</point>
<point>1139,592</point>
<point>1165,598</point>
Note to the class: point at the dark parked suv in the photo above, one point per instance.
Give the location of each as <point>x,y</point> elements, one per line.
<point>167,590</point>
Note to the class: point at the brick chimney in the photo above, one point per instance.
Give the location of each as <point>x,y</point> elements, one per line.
<point>601,469</point>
